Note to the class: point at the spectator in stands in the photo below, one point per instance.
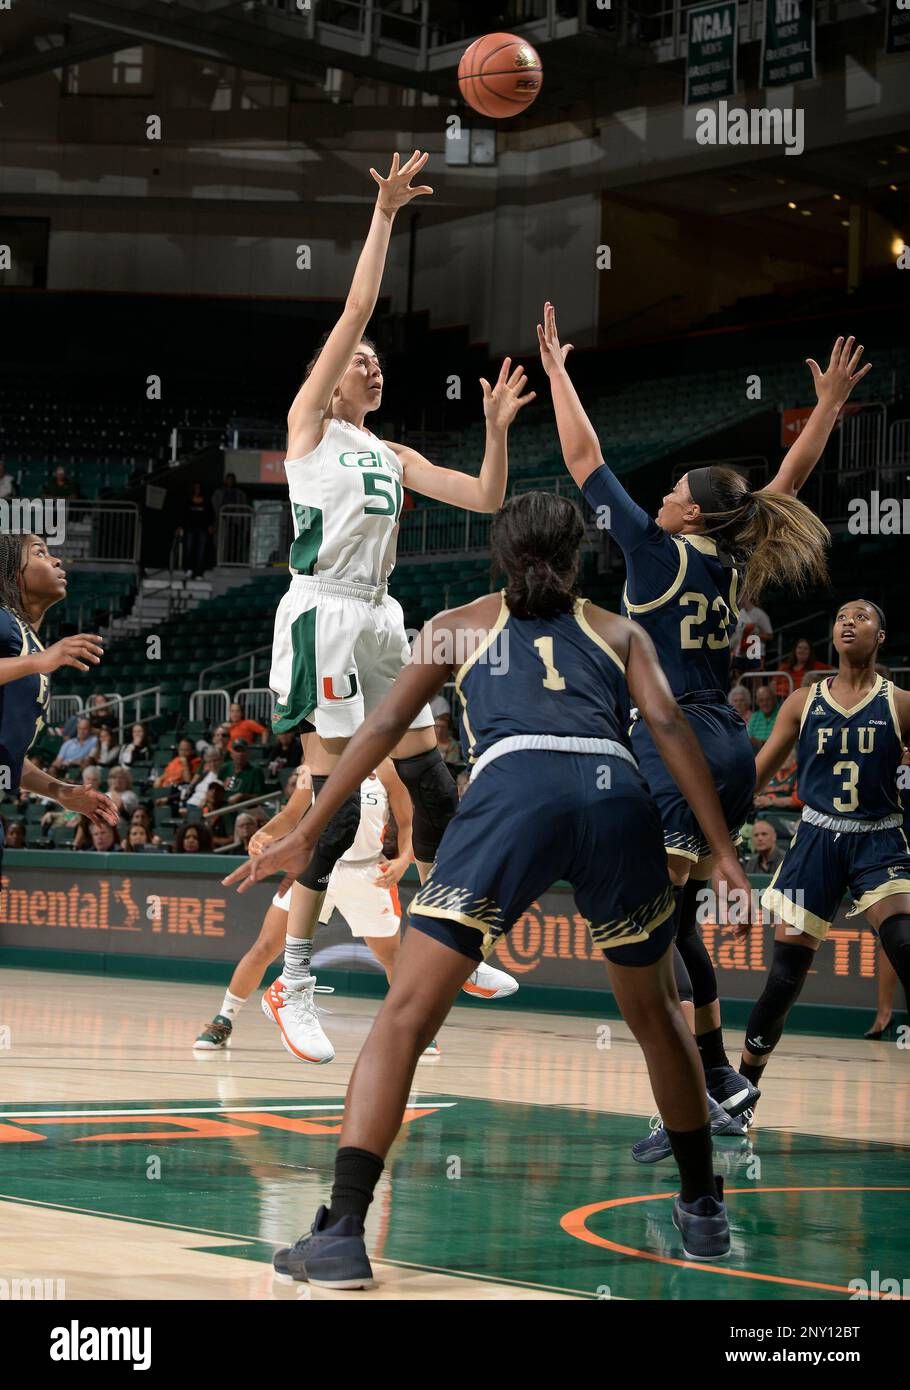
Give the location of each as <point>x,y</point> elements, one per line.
<point>120,790</point>
<point>76,752</point>
<point>781,790</point>
<point>761,722</point>
<point>215,800</point>
<point>138,750</point>
<point>741,701</point>
<point>798,662</point>
<point>105,839</point>
<point>208,773</point>
<point>241,727</point>
<point>15,835</point>
<point>59,485</point>
<point>752,632</point>
<point>108,748</point>
<point>82,839</point>
<point>228,495</point>
<point>448,746</point>
<point>193,839</point>
<point>765,856</point>
<point>241,779</point>
<point>221,741</point>
<point>142,816</point>
<point>197,528</point>
<point>182,767</point>
<point>244,829</point>
<point>137,838</point>
<point>7,485</point>
<point>100,713</point>
<point>286,751</point>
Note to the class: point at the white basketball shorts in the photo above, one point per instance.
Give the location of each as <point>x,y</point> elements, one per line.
<point>336,651</point>
<point>367,907</point>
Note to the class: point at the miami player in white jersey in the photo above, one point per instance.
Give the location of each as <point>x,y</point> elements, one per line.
<point>364,889</point>
<point>339,637</point>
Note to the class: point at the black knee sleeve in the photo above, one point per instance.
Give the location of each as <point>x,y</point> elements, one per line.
<point>683,983</point>
<point>894,935</point>
<point>691,947</point>
<point>432,789</point>
<point>789,968</point>
<point>334,841</point>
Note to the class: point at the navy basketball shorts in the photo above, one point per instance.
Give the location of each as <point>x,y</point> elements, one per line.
<point>822,865</point>
<point>532,818</point>
<point>724,740</point>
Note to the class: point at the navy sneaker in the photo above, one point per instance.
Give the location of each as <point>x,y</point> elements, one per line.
<point>657,1144</point>
<point>332,1257</point>
<point>734,1092</point>
<point>703,1225</point>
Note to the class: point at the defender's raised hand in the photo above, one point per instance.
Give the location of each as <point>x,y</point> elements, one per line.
<point>552,353</point>
<point>395,191</point>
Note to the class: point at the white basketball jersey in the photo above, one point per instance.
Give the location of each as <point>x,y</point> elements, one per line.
<point>346,501</point>
<point>374,812</point>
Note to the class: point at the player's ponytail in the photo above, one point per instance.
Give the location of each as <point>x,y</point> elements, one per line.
<point>773,535</point>
<point>10,570</point>
<point>535,540</point>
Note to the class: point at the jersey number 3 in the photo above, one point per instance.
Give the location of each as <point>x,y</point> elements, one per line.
<point>719,638</point>
<point>552,680</point>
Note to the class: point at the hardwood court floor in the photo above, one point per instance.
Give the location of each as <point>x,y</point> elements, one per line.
<point>131,1167</point>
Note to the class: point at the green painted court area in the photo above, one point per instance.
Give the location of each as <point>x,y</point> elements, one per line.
<point>540,1196</point>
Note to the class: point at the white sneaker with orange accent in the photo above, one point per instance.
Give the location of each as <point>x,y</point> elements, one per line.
<point>291,1005</point>
<point>487,983</point>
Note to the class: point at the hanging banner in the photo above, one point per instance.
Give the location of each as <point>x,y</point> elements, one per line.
<point>788,42</point>
<point>711,52</point>
<point>897,26</point>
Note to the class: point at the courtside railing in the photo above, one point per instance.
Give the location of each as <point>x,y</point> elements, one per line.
<point>101,532</point>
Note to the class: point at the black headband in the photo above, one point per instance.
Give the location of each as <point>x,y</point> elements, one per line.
<point>702,490</point>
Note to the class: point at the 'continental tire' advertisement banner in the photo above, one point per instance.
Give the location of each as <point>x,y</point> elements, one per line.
<point>788,42</point>
<point>711,52</point>
<point>190,916</point>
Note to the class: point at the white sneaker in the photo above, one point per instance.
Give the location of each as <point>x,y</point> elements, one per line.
<point>487,983</point>
<point>293,1008</point>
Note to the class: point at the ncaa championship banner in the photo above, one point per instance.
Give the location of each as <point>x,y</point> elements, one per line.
<point>138,905</point>
<point>788,42</point>
<point>711,52</point>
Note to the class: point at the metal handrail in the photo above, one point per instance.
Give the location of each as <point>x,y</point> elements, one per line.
<point>231,660</point>
<point>135,695</point>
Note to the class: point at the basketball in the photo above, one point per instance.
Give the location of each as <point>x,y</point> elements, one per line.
<point>500,75</point>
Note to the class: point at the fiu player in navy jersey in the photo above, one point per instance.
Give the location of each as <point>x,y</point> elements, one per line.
<point>544,678</point>
<point>712,540</point>
<point>848,730</point>
<point>31,582</point>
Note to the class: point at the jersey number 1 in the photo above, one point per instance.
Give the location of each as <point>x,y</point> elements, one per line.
<point>553,680</point>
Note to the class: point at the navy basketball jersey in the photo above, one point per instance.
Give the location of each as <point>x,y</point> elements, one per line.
<point>691,619</point>
<point>542,676</point>
<point>847,759</point>
<point>23,702</point>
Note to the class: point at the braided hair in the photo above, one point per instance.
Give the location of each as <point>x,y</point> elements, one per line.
<point>11,548</point>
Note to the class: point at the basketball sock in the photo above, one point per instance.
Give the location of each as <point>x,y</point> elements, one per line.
<point>231,1006</point>
<point>894,934</point>
<point>357,1172</point>
<point>751,1072</point>
<point>711,1049</point>
<point>695,1161</point>
<point>297,952</point>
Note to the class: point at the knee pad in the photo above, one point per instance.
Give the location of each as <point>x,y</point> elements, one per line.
<point>434,794</point>
<point>681,974</point>
<point>691,947</point>
<point>894,934</point>
<point>335,840</point>
<point>789,968</point>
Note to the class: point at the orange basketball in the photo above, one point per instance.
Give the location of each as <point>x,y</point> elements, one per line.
<point>500,75</point>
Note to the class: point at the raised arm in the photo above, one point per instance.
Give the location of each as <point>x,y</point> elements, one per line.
<point>311,403</point>
<point>625,520</point>
<point>501,403</point>
<point>775,751</point>
<point>832,387</point>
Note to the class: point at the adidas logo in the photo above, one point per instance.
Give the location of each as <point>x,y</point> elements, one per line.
<point>819,709</point>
